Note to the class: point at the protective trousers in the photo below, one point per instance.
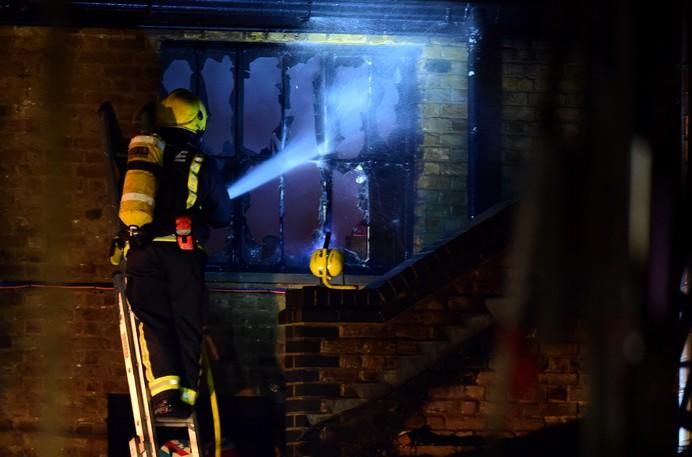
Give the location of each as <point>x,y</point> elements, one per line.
<point>167,293</point>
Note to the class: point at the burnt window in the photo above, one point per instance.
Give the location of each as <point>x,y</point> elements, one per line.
<point>311,140</point>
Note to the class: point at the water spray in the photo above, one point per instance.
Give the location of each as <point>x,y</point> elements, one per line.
<point>347,101</point>
<point>296,153</point>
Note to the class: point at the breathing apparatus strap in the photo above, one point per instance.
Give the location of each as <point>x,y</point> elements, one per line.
<point>184,222</point>
<point>193,180</point>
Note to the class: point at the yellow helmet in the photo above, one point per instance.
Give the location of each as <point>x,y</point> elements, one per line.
<point>183,110</point>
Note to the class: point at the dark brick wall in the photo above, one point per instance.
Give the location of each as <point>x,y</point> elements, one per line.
<point>244,329</point>
<point>526,80</point>
<point>100,65</point>
<point>411,372</point>
<point>89,367</point>
<point>557,395</point>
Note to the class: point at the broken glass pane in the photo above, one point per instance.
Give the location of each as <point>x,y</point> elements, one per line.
<point>261,108</point>
<point>350,218</point>
<point>301,112</point>
<point>390,198</point>
<point>302,184</point>
<point>301,219</point>
<point>177,74</point>
<point>219,247</point>
<point>347,107</point>
<point>394,109</point>
<point>262,245</point>
<point>385,111</point>
<point>217,77</point>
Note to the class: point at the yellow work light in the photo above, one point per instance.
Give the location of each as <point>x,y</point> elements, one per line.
<point>327,264</point>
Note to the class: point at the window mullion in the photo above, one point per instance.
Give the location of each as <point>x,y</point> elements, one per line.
<point>285,104</point>
<point>239,217</point>
<point>321,129</point>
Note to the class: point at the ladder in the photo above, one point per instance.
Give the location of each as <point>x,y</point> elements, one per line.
<point>144,443</point>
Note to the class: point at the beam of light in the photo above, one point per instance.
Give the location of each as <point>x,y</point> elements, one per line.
<point>346,104</point>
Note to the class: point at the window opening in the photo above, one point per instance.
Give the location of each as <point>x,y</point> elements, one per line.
<point>351,213</point>
<point>261,110</point>
<point>177,74</point>
<point>217,75</point>
<point>312,140</point>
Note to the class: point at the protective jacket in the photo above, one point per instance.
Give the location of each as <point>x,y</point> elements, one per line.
<point>165,284</point>
<point>190,184</point>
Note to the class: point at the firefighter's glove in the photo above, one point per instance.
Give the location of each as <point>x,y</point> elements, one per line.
<point>117,251</point>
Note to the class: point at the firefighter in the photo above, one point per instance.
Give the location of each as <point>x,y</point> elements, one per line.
<point>165,262</point>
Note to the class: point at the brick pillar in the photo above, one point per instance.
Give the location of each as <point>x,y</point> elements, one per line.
<point>304,391</point>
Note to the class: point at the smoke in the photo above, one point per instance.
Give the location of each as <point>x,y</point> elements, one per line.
<point>346,101</point>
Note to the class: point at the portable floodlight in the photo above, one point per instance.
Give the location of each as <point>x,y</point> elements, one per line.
<point>327,264</point>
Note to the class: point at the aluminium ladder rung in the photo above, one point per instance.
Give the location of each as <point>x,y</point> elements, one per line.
<point>175,422</point>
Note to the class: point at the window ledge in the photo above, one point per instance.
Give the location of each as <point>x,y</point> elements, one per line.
<point>288,280</point>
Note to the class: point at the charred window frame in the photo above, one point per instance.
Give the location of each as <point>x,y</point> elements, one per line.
<point>362,193</point>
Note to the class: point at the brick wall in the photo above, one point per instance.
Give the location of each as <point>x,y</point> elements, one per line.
<point>525,89</point>
<point>441,197</point>
<point>99,65</point>
<point>468,409</point>
<point>244,329</point>
<point>354,388</point>
<point>90,366</point>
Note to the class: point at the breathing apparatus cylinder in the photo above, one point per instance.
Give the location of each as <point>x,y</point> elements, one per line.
<point>180,109</point>
<point>144,163</point>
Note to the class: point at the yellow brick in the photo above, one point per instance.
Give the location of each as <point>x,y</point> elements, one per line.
<point>284,37</point>
<point>435,81</point>
<point>431,168</point>
<point>432,52</point>
<point>453,110</point>
<point>454,53</point>
<point>256,36</point>
<point>429,109</point>
<point>347,39</point>
<point>316,37</point>
<point>222,36</point>
<point>442,40</point>
<point>437,125</point>
<point>431,139</point>
<point>459,67</point>
<point>381,39</point>
<point>439,154</point>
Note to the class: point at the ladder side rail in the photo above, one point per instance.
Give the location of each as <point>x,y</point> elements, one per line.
<point>138,393</point>
<point>192,430</point>
<point>129,369</point>
<point>147,413</point>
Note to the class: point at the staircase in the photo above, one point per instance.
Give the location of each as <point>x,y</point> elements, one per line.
<point>346,352</point>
